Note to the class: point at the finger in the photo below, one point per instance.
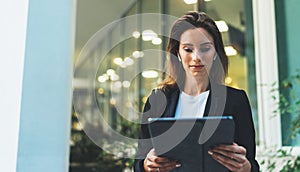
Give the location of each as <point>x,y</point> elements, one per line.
<point>152,156</point>
<point>228,163</point>
<point>150,169</point>
<point>236,152</point>
<point>233,148</point>
<point>169,166</point>
<point>152,153</point>
<point>239,158</point>
<point>230,155</point>
<point>225,164</point>
<point>151,164</point>
<point>162,169</point>
<point>160,160</point>
<point>155,163</point>
<point>227,159</point>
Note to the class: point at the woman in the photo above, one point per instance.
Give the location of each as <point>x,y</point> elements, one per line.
<point>196,69</point>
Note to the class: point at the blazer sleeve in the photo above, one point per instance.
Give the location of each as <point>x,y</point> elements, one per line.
<point>144,146</point>
<point>154,107</point>
<point>245,133</point>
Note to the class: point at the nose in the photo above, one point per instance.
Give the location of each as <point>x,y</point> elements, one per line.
<point>196,56</point>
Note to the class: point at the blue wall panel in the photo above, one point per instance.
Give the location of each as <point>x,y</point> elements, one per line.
<point>47,89</point>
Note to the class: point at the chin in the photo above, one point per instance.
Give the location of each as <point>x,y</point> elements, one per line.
<point>200,75</point>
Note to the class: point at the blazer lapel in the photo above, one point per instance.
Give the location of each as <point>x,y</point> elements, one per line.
<point>172,99</point>
<point>215,104</point>
<point>208,105</point>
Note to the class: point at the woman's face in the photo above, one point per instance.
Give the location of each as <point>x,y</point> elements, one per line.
<point>197,51</point>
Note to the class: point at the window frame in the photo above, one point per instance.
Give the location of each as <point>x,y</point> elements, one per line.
<point>267,75</point>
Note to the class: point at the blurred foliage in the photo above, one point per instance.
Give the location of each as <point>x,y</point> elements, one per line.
<point>289,163</point>
<point>289,100</point>
<point>292,165</point>
<point>288,103</point>
<point>86,156</point>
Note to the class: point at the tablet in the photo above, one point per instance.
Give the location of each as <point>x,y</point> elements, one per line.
<point>188,140</point>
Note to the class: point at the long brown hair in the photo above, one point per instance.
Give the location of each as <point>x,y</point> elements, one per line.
<point>175,73</point>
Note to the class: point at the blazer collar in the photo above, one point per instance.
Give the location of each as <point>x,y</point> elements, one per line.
<point>216,101</point>
<point>172,99</point>
<point>214,106</point>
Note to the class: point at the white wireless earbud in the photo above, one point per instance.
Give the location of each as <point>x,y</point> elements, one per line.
<point>179,59</point>
<point>215,57</point>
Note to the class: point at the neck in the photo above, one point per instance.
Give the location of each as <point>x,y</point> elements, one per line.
<point>195,87</point>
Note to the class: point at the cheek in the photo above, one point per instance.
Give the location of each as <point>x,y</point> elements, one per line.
<point>181,53</point>
<point>185,57</point>
<point>207,60</point>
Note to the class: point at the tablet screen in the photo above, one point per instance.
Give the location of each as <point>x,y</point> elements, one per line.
<point>189,139</point>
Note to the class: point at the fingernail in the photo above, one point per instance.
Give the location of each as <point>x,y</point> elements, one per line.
<point>178,165</point>
<point>210,152</point>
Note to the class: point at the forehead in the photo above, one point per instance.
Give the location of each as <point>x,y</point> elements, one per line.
<point>195,36</point>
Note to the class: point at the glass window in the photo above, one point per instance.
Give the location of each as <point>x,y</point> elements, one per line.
<point>238,40</point>
<point>179,7</point>
<point>132,66</point>
<point>289,70</point>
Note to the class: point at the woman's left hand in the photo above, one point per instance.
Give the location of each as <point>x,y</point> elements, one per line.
<point>232,157</point>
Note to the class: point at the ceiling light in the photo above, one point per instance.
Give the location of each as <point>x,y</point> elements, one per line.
<point>113,101</point>
<point>190,1</point>
<point>118,61</point>
<point>100,91</point>
<point>103,78</point>
<point>228,80</point>
<point>150,74</point>
<point>230,51</point>
<point>137,54</point>
<point>114,77</point>
<point>136,34</point>
<point>110,72</point>
<point>222,26</point>
<point>148,35</point>
<point>128,61</point>
<point>156,41</point>
<point>126,84</point>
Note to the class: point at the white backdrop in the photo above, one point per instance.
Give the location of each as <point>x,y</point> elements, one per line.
<point>13,17</point>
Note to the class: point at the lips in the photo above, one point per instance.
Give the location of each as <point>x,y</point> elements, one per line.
<point>196,66</point>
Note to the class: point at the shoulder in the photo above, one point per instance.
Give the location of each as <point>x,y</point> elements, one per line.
<point>235,92</point>
<point>230,91</point>
<point>237,97</point>
<point>231,94</point>
<point>167,90</point>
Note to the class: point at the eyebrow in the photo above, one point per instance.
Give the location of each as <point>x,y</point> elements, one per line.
<point>205,43</point>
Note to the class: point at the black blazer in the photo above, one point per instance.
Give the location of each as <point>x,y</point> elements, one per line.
<point>221,99</point>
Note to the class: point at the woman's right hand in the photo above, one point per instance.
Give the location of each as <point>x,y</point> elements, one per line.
<point>154,163</point>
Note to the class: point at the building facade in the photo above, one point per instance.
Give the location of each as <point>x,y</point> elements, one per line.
<point>113,69</point>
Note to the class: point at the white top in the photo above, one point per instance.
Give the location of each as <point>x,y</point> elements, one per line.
<point>191,106</point>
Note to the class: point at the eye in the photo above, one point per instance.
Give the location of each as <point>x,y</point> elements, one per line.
<point>205,49</point>
<point>189,50</point>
